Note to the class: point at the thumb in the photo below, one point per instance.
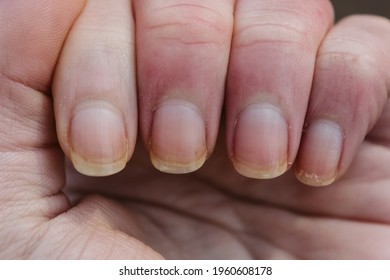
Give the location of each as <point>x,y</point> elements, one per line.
<point>31,164</point>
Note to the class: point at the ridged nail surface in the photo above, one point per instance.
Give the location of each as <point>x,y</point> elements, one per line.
<point>260,142</point>
<point>320,153</point>
<point>98,139</point>
<point>178,137</point>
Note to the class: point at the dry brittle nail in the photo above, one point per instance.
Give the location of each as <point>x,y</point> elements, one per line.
<point>98,142</point>
<point>178,137</point>
<point>260,142</point>
<point>320,153</point>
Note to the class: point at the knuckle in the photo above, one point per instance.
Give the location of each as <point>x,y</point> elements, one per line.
<point>358,77</point>
<point>368,33</point>
<point>279,26</point>
<point>190,24</point>
<point>293,23</point>
<point>352,55</point>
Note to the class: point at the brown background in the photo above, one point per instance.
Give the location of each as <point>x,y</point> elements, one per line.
<point>347,7</point>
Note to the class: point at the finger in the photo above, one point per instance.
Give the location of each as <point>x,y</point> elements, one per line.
<point>350,89</point>
<point>182,56</point>
<point>94,89</point>
<point>269,81</point>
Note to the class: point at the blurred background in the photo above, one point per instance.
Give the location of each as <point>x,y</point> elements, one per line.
<point>348,7</point>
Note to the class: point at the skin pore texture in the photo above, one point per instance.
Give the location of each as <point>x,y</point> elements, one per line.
<point>193,130</point>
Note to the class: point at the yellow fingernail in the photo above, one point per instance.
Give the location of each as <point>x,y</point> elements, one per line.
<point>178,138</point>
<point>98,139</point>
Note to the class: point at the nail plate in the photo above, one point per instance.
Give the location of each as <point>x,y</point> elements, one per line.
<point>320,153</point>
<point>98,142</point>
<point>178,137</point>
<point>260,142</point>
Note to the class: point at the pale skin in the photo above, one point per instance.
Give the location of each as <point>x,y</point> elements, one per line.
<point>263,130</point>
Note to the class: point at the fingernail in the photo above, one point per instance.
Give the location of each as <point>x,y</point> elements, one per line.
<point>98,139</point>
<point>178,137</point>
<point>260,143</point>
<point>320,154</point>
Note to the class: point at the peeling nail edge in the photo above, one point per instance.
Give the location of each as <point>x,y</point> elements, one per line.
<point>314,180</point>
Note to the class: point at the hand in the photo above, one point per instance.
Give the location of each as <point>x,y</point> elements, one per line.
<point>278,54</point>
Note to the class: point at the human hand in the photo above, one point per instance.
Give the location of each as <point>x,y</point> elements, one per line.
<point>277,60</point>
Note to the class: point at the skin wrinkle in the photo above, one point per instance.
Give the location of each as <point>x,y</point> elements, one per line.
<point>89,240</point>
<point>49,25</point>
<point>179,40</point>
<point>98,212</point>
<point>246,199</point>
<point>299,15</point>
<point>155,223</point>
<point>255,203</point>
<point>73,239</point>
<point>13,80</point>
<point>194,38</point>
<point>187,216</point>
<point>288,28</point>
<point>21,121</point>
<point>361,65</point>
<point>216,22</point>
<point>23,247</point>
<point>295,36</point>
<point>197,7</point>
<point>178,211</point>
<point>355,42</point>
<point>258,234</point>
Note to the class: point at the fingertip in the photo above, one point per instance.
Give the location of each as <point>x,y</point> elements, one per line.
<point>181,96</point>
<point>348,94</point>
<point>94,89</point>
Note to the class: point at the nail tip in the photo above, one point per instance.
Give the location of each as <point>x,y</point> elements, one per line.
<point>92,169</point>
<point>172,167</point>
<point>260,173</point>
<point>312,179</point>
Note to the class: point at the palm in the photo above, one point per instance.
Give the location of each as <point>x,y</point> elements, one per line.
<point>215,213</point>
